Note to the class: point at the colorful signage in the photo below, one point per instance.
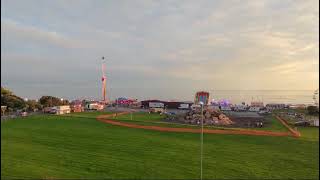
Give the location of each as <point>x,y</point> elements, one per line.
<point>202,96</point>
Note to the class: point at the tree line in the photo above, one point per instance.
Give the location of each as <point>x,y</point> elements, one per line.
<point>12,102</point>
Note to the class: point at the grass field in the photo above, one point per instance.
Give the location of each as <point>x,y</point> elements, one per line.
<point>143,118</point>
<point>309,133</point>
<point>48,146</point>
<point>274,124</point>
<point>92,114</point>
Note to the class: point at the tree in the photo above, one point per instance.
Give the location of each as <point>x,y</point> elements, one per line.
<point>65,102</point>
<point>32,105</point>
<point>313,110</point>
<point>5,91</point>
<point>11,100</point>
<point>49,101</point>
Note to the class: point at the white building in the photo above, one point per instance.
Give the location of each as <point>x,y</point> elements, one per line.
<point>61,109</point>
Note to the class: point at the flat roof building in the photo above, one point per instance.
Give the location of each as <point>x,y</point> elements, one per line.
<point>166,104</point>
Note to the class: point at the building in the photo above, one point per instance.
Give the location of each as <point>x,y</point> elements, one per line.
<point>240,107</point>
<point>315,122</point>
<point>178,105</point>
<point>126,102</point>
<point>76,106</point>
<point>254,109</point>
<point>201,96</point>
<point>152,104</point>
<point>166,104</point>
<point>257,104</point>
<point>94,105</point>
<point>61,109</point>
<point>275,106</point>
<point>297,106</point>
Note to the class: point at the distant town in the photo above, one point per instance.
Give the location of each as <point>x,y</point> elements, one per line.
<point>14,106</point>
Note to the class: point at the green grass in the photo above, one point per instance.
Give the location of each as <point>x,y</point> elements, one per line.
<point>309,133</point>
<point>303,111</point>
<point>51,146</point>
<point>92,114</point>
<point>141,116</point>
<point>273,125</point>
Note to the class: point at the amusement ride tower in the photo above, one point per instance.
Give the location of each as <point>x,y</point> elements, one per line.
<point>104,81</point>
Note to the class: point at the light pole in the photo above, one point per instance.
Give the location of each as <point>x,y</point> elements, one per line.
<point>201,149</point>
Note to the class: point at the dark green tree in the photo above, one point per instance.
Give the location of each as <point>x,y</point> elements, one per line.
<point>32,105</point>
<point>49,101</point>
<point>313,110</point>
<point>11,100</point>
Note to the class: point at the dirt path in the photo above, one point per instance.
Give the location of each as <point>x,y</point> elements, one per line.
<point>104,118</point>
<point>293,132</point>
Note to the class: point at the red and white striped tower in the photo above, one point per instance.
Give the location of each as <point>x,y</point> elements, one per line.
<point>104,81</point>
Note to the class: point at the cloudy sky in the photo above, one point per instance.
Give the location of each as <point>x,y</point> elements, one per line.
<point>160,49</point>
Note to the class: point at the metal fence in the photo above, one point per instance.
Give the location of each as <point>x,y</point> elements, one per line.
<point>5,118</point>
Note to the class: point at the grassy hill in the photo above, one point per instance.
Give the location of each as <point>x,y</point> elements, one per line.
<point>78,146</point>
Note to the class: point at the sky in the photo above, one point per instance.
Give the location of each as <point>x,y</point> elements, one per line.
<point>158,49</point>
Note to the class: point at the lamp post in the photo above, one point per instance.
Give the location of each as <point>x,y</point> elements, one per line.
<point>201,149</point>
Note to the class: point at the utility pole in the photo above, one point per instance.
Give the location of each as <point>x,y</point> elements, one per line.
<point>201,103</point>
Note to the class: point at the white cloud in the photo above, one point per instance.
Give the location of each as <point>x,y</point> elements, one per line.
<point>12,28</point>
<point>230,44</point>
